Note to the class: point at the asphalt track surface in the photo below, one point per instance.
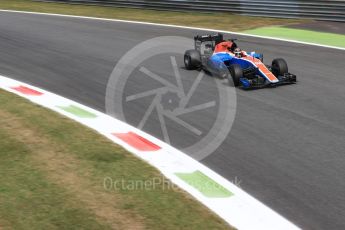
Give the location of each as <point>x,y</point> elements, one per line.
<point>287,144</point>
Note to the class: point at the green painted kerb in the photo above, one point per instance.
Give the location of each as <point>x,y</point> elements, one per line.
<point>321,38</point>
<point>204,184</point>
<point>79,112</point>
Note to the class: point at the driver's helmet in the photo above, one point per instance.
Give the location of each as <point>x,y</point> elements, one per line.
<point>238,53</point>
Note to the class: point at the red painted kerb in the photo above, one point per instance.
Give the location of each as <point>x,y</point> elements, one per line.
<point>137,142</point>
<point>27,91</point>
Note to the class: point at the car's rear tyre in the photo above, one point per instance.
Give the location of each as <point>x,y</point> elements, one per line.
<point>279,67</point>
<point>236,72</point>
<point>192,59</point>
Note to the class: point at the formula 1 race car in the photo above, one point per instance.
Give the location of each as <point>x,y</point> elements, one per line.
<point>224,59</point>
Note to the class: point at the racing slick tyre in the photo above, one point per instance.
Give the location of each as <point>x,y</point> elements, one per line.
<point>192,59</point>
<point>279,67</point>
<point>236,73</point>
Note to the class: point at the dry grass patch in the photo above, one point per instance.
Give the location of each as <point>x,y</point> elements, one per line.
<point>64,170</point>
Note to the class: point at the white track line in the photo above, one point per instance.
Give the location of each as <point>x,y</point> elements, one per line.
<point>175,26</point>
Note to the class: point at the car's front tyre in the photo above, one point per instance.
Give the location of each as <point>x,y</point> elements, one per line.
<point>279,67</point>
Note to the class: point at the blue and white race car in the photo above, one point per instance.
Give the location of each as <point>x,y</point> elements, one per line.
<point>224,59</point>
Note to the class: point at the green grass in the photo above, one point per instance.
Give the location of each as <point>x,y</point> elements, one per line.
<point>301,35</point>
<point>29,200</point>
<point>222,21</point>
<point>52,174</point>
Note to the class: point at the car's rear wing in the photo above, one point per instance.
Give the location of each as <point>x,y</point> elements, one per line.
<point>217,38</point>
